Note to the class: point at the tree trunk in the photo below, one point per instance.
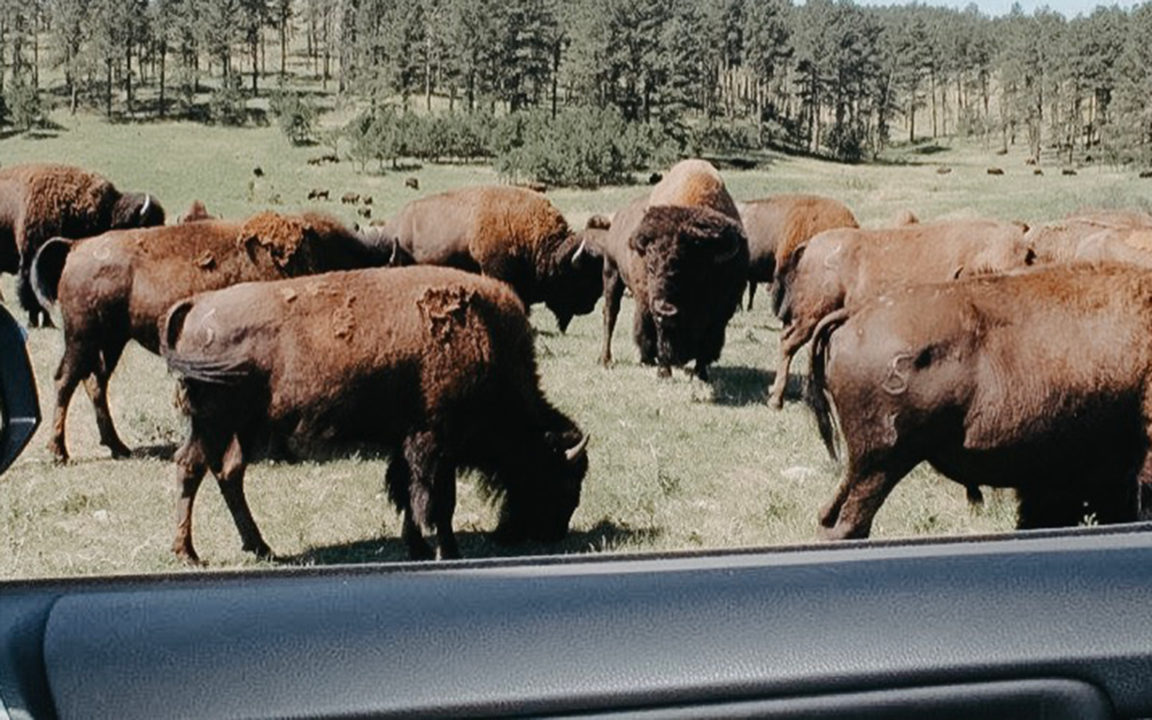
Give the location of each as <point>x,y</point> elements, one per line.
<point>283,46</point>
<point>255,47</point>
<point>163,57</point>
<point>128,76</point>
<point>108,88</point>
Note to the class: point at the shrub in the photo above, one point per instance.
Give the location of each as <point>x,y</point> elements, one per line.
<point>581,146</point>
<point>295,114</point>
<point>226,105</point>
<point>21,105</point>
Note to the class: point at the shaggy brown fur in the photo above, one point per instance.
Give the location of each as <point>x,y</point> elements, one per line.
<point>509,233</point>
<point>683,254</point>
<point>38,202</point>
<point>433,365</point>
<point>779,224</point>
<point>838,268</point>
<point>1038,381</point>
<point>115,287</point>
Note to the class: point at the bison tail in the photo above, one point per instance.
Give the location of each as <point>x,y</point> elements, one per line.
<point>218,371</point>
<point>47,268</point>
<point>817,391</point>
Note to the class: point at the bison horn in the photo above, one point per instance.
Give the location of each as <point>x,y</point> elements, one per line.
<point>578,450</point>
<point>664,308</point>
<point>579,253</point>
<point>147,204</point>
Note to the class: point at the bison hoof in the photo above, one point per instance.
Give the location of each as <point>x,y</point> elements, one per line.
<point>59,454</point>
<point>190,558</point>
<point>262,551</point>
<point>776,401</point>
<point>119,450</point>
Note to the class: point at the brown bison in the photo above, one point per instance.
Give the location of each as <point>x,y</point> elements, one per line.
<point>114,288</point>
<point>683,254</point>
<point>38,202</point>
<point>778,224</point>
<point>840,267</point>
<point>433,365</point>
<point>508,233</point>
<point>1038,380</point>
<point>1089,237</point>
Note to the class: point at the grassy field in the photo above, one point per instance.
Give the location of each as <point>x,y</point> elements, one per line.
<point>675,464</point>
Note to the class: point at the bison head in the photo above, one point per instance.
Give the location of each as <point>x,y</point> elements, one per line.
<point>539,499</point>
<point>134,210</point>
<point>695,261</point>
<point>576,279</point>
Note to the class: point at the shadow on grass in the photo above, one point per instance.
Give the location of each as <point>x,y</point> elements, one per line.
<point>159,451</point>
<point>740,386</point>
<point>605,535</point>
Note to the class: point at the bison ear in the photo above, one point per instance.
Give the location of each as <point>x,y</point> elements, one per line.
<point>731,241</point>
<point>638,243</point>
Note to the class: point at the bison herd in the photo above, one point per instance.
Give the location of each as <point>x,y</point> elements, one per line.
<point>1002,355</point>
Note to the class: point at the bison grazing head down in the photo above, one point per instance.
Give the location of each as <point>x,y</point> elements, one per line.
<point>576,280</point>
<point>695,262</point>
<point>134,210</point>
<point>540,511</point>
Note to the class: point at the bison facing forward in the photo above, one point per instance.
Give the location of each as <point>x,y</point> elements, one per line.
<point>683,254</point>
<point>432,364</point>
<point>38,202</point>
<point>115,287</point>
<point>1040,381</point>
<point>508,233</point>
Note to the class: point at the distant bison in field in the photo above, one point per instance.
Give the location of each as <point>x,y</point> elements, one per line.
<point>367,200</point>
<point>841,268</point>
<point>943,170</point>
<point>1146,173</point>
<point>412,182</point>
<point>364,212</point>
<point>1038,381</point>
<point>683,253</point>
<point>508,233</point>
<point>779,224</point>
<point>321,159</point>
<point>1067,171</point>
<point>350,198</point>
<point>317,194</point>
<point>1037,171</point>
<point>995,171</point>
<point>38,202</point>
<point>114,288</point>
<point>433,365</point>
<point>258,171</point>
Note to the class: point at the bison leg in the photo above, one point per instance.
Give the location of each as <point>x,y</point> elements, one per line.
<point>231,482</point>
<point>37,316</point>
<point>191,464</point>
<point>74,366</point>
<point>431,499</point>
<point>398,479</point>
<point>850,513</point>
<point>613,292</point>
<point>1047,507</point>
<point>751,292</point>
<point>644,333</point>
<point>792,339</point>
<point>96,384</point>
